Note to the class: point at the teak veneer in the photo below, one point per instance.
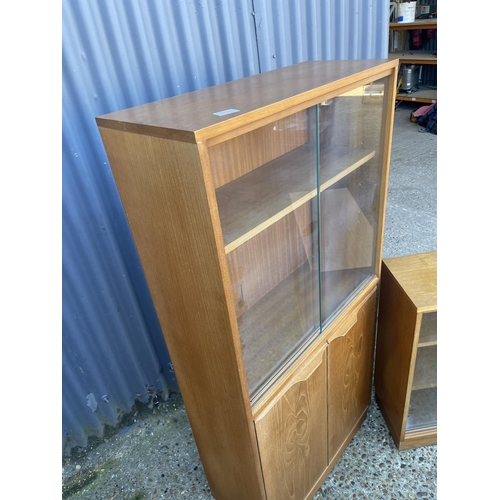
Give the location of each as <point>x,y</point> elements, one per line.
<point>406,362</point>
<point>257,208</point>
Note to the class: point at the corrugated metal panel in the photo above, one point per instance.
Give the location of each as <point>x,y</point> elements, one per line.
<point>120,54</point>
<point>116,55</point>
<point>290,32</point>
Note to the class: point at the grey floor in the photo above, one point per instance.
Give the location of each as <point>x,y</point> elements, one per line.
<point>153,455</point>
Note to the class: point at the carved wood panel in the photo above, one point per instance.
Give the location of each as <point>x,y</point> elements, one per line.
<point>349,376</point>
<point>292,435</point>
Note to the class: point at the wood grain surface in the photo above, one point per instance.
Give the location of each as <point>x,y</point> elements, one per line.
<point>242,154</point>
<point>421,24</point>
<point>414,57</point>
<point>417,275</point>
<point>222,211</point>
<point>264,261</point>
<point>292,435</point>
<point>349,376</point>
<point>406,355</point>
<point>190,116</point>
<point>257,200</point>
<point>170,215</point>
<point>395,339</point>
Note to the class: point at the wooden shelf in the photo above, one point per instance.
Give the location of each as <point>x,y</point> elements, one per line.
<point>414,57</point>
<point>281,320</point>
<point>420,24</point>
<point>425,96</point>
<point>428,330</point>
<point>425,375</point>
<point>428,96</point>
<point>423,409</point>
<point>288,316</point>
<point>260,198</point>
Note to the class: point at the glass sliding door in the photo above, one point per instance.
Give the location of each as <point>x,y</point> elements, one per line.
<point>351,133</point>
<point>299,210</point>
<point>422,411</point>
<point>266,188</point>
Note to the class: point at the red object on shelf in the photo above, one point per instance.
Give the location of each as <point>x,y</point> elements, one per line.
<point>416,38</point>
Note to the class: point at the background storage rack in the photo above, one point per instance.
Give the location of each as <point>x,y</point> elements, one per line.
<point>418,56</point>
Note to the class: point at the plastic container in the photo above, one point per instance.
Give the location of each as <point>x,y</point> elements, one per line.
<point>406,12</point>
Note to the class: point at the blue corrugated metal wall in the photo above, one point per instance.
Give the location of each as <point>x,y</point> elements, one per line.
<point>118,54</point>
<point>290,32</point>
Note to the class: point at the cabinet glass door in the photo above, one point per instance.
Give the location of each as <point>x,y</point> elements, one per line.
<point>422,411</point>
<point>299,206</point>
<point>351,128</point>
<point>267,196</point>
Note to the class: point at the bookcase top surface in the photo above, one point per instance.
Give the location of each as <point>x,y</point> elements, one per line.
<point>417,275</point>
<point>201,114</point>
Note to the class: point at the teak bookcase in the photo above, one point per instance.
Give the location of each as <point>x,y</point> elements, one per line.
<point>257,207</point>
<point>406,360</point>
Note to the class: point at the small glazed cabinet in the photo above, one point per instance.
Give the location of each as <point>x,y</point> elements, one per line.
<point>257,208</point>
<point>406,359</point>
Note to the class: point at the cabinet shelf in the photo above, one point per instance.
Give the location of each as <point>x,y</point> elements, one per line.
<point>414,57</point>
<point>283,185</point>
<point>428,330</point>
<point>289,307</point>
<point>423,409</point>
<point>427,96</point>
<point>425,375</point>
<point>420,24</point>
<point>419,57</point>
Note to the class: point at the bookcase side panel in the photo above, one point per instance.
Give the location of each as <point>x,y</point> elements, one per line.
<point>163,189</point>
<point>395,339</point>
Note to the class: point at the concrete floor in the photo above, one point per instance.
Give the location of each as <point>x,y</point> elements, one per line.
<point>153,454</point>
<point>411,216</point>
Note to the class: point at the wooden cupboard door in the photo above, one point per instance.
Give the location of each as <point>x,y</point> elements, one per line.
<point>292,435</point>
<point>350,362</point>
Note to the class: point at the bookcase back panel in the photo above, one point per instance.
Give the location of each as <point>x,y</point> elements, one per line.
<point>244,153</point>
<point>264,261</point>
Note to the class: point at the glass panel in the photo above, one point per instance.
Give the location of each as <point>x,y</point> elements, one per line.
<point>351,154</point>
<point>266,188</point>
<point>423,409</point>
<point>428,329</point>
<point>423,399</point>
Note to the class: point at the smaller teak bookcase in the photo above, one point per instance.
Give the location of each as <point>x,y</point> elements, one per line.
<point>406,355</point>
